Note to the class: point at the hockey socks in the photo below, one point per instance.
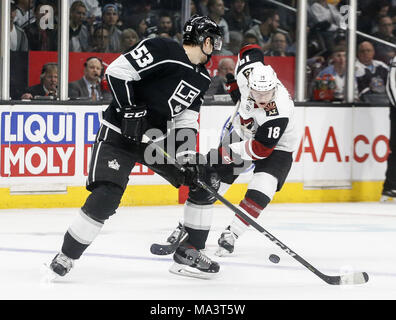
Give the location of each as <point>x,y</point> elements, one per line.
<point>197,222</point>
<point>80,235</point>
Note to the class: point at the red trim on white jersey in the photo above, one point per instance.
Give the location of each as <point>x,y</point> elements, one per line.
<point>256,150</point>
<point>251,207</point>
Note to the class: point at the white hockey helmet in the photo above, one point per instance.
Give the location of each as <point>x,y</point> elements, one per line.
<point>262,84</point>
<point>262,78</point>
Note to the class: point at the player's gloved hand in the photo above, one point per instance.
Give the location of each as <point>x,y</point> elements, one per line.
<point>196,168</point>
<point>232,87</point>
<point>134,123</point>
<point>192,163</point>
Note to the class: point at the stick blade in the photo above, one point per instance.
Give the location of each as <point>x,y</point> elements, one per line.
<point>354,278</point>
<point>163,249</point>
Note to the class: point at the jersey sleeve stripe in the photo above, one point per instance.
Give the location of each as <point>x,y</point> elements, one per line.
<point>112,89</point>
<point>256,150</point>
<point>128,93</point>
<point>122,68</point>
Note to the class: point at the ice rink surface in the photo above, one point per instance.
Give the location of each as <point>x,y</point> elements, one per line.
<point>336,238</point>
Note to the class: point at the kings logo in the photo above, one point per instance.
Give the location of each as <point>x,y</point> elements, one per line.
<point>183,96</point>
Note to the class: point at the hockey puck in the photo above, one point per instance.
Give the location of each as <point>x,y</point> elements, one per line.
<point>274,258</point>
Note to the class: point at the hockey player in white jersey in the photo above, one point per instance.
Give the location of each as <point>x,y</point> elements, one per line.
<point>266,126</point>
<point>266,136</point>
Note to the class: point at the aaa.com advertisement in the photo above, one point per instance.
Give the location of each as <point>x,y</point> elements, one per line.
<point>336,145</point>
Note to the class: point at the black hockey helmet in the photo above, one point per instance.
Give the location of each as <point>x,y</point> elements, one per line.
<point>198,28</point>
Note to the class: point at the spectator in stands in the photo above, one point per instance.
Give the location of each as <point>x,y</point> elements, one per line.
<point>78,32</point>
<point>249,38</point>
<point>24,13</point>
<point>236,39</point>
<point>278,46</point>
<point>143,8</point>
<point>392,15</point>
<point>193,8</point>
<point>48,86</point>
<point>337,69</point>
<point>88,87</point>
<point>100,40</point>
<point>129,38</point>
<point>323,11</point>
<point>177,15</point>
<point>340,39</point>
<point>370,13</point>
<point>291,43</point>
<point>138,23</point>
<point>110,18</point>
<point>216,12</point>
<point>94,11</point>
<point>166,25</point>
<point>384,52</point>
<point>287,18</point>
<point>218,85</point>
<point>39,38</point>
<point>93,14</point>
<point>202,7</point>
<point>315,64</point>
<point>264,31</point>
<point>237,17</point>
<point>370,74</point>
<point>18,38</point>
<point>328,18</point>
<point>120,23</point>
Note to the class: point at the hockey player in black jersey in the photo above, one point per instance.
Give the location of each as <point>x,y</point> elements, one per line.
<point>156,83</point>
<point>264,134</point>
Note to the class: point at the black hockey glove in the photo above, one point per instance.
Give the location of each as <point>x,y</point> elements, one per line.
<point>196,168</point>
<point>134,123</point>
<point>232,87</point>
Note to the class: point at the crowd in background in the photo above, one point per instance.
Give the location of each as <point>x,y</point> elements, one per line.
<point>110,26</point>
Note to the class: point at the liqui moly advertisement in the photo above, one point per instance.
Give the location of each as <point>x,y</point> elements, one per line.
<point>38,144</point>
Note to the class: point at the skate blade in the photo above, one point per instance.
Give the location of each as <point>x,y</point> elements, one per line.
<point>221,252</point>
<point>48,276</point>
<point>387,199</point>
<point>186,271</point>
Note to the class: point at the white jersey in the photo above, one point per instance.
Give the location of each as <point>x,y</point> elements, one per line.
<point>263,131</point>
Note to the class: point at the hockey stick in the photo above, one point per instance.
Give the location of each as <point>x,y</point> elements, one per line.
<point>228,126</point>
<point>165,249</point>
<point>352,278</point>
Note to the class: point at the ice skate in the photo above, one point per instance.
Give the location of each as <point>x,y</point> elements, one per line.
<point>190,262</point>
<point>388,196</point>
<point>61,264</point>
<point>226,243</point>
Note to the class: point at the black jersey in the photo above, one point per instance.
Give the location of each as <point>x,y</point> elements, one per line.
<point>158,74</point>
